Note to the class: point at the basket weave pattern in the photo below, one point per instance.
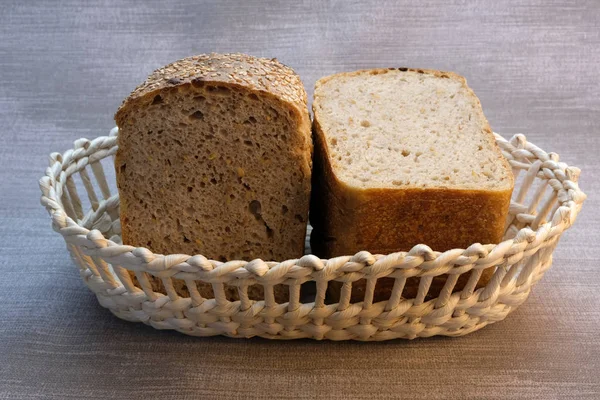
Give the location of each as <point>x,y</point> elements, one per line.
<point>545,202</point>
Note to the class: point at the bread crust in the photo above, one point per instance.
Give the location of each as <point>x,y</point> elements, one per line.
<point>375,71</point>
<point>266,75</point>
<point>347,219</point>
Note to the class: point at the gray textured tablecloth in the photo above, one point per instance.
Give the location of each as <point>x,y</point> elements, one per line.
<point>64,69</point>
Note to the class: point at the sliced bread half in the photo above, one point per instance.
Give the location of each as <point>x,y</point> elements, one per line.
<point>404,157</point>
<point>214,158</point>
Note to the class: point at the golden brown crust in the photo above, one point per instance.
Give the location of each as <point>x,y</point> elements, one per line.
<point>260,74</point>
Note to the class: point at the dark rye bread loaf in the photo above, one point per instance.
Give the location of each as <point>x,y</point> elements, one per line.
<point>404,157</point>
<point>214,158</point>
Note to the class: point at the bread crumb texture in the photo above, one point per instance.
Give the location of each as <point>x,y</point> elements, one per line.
<point>408,129</point>
<point>214,158</point>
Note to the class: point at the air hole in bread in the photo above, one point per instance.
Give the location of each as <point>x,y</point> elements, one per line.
<point>157,99</point>
<point>255,208</point>
<point>218,90</point>
<point>273,112</point>
<point>270,232</point>
<point>197,115</point>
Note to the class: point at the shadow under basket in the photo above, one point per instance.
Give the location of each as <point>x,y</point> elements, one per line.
<point>545,202</point>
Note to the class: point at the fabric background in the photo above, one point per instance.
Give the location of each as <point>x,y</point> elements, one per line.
<point>64,69</point>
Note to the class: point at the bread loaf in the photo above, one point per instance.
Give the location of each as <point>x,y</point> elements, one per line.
<point>214,158</point>
<point>404,157</point>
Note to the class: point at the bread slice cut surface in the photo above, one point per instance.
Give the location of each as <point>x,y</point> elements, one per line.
<point>214,158</point>
<point>405,129</point>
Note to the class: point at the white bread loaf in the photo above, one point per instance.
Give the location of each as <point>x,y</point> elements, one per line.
<point>404,157</point>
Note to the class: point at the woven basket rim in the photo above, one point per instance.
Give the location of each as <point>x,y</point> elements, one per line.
<point>563,179</point>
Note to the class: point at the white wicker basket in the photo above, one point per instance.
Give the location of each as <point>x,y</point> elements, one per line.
<point>546,201</point>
